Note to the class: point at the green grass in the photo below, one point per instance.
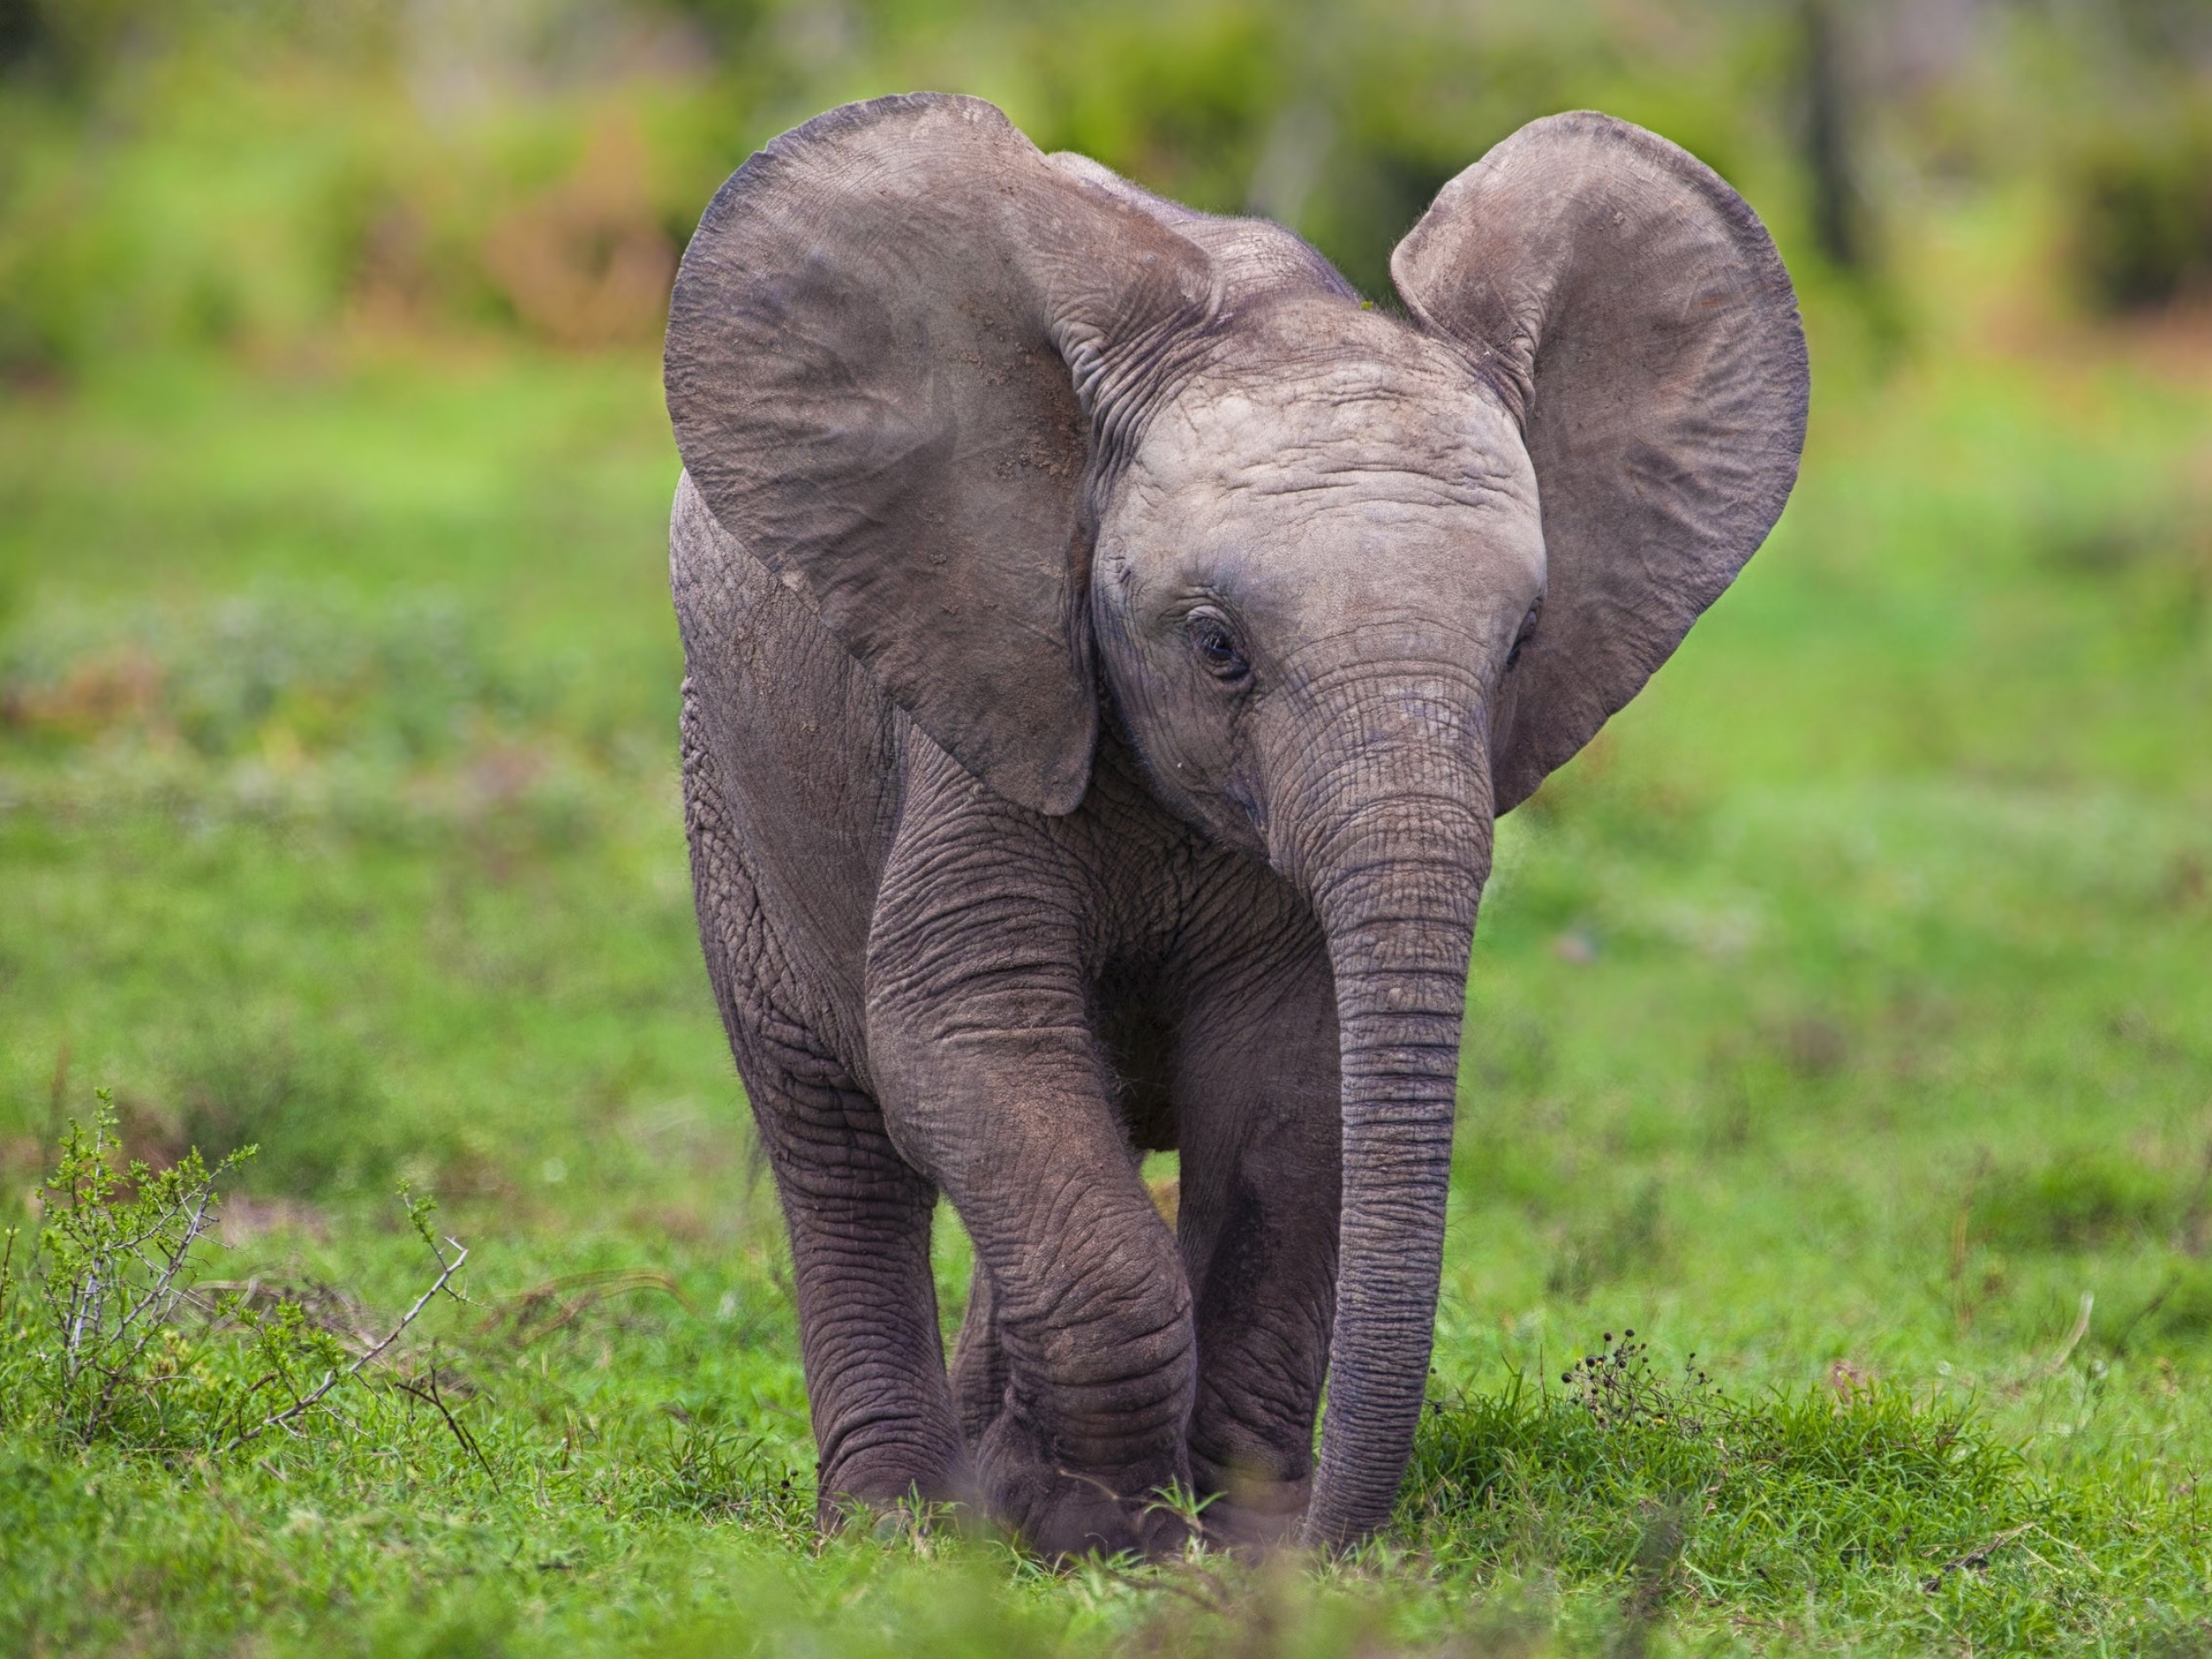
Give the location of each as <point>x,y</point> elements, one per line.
<point>1844,1018</point>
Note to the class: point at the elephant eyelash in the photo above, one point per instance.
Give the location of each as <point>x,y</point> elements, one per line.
<point>1528,629</point>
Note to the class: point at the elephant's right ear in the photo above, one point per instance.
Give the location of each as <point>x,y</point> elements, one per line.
<point>894,343</point>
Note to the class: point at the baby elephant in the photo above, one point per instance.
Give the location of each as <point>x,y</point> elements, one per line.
<point>1109,642</point>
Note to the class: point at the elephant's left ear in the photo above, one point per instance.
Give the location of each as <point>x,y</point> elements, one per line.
<point>1629,309</point>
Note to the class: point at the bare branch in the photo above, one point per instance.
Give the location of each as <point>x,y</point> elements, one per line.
<point>332,1379</point>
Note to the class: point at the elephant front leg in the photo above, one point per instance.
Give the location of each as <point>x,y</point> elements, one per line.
<point>992,1084</point>
<point>1082,1324</point>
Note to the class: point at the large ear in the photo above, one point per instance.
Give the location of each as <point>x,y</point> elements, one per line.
<point>1629,309</point>
<point>895,343</point>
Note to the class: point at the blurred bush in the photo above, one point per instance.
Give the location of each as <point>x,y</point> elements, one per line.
<point>267,177</point>
<point>2140,207</point>
<point>398,724</point>
<point>2091,1199</point>
<point>270,176</point>
<point>295,673</point>
<point>253,174</point>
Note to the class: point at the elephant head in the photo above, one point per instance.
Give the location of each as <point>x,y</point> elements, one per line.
<point>1042,449</point>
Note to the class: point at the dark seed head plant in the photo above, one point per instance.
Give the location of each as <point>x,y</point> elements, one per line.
<point>1774,1497</point>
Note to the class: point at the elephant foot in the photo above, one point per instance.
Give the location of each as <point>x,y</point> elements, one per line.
<point>864,1491</point>
<point>1251,1513</point>
<point>1062,1513</point>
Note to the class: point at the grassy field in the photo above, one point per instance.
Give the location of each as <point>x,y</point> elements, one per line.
<point>1843,1019</point>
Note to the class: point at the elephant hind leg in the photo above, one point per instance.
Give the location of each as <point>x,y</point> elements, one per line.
<point>858,1216</point>
<point>979,1367</point>
<point>1257,1223</point>
<point>859,1224</point>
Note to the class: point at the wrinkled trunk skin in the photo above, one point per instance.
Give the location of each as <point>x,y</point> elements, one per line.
<point>1392,846</point>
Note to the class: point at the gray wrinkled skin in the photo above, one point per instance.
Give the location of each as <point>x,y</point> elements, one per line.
<point>1108,647</point>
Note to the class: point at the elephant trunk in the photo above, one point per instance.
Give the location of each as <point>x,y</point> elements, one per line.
<point>1393,865</point>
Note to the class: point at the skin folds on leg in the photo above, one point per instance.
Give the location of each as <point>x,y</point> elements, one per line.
<point>993,1082</point>
<point>857,1214</point>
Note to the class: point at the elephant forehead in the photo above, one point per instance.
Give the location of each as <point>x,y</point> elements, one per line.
<point>1358,464</point>
<point>1338,436</point>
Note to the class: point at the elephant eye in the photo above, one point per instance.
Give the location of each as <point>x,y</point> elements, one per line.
<point>1216,647</point>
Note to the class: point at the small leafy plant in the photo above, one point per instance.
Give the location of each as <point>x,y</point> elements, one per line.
<point>116,1340</point>
<point>117,1249</point>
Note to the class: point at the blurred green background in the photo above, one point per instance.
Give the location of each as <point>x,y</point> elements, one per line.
<point>1846,1011</point>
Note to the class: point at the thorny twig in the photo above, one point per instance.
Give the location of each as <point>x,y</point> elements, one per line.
<point>151,1312</point>
<point>1090,1480</point>
<point>468,1441</point>
<point>122,1263</point>
<point>326,1306</point>
<point>333,1379</point>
